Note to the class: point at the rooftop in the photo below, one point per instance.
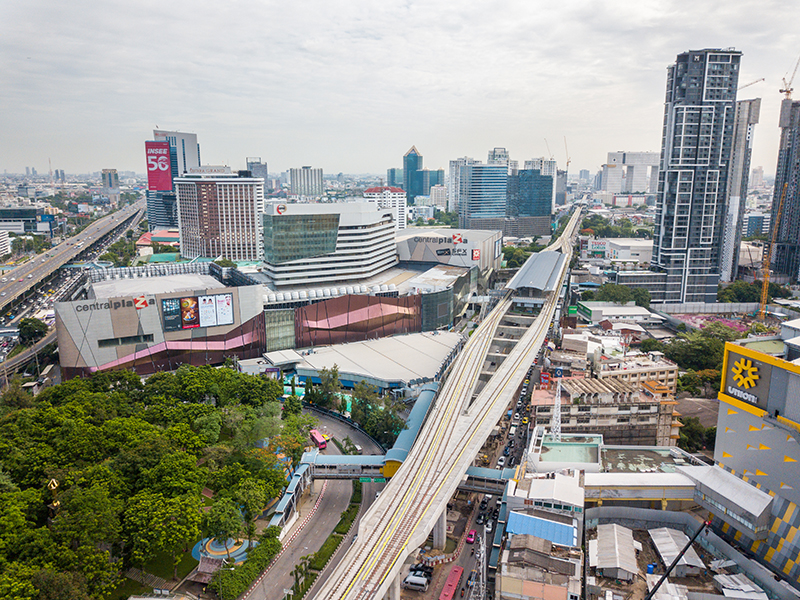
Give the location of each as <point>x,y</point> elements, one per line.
<point>558,533</point>
<point>539,272</point>
<point>119,288</point>
<point>467,235</point>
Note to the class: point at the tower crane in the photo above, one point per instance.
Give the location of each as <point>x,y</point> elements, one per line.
<point>548,148</point>
<point>569,160</point>
<point>787,85</point>
<point>751,83</point>
<point>767,259</point>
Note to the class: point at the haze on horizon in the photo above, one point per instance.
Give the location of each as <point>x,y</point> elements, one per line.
<point>351,86</point>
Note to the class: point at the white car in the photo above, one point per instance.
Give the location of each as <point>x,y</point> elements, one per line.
<point>501,461</point>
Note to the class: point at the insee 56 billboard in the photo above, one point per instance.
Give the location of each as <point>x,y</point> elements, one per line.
<point>159,172</point>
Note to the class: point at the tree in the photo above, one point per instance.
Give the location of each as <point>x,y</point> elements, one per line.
<point>611,292</point>
<point>365,402</point>
<point>178,523</point>
<point>31,330</point>
<point>330,387</point>
<point>693,435</point>
<point>251,497</point>
<point>88,517</point>
<point>225,263</point>
<point>587,295</point>
<point>222,522</point>
<point>292,406</point>
<point>641,296</point>
<point>651,345</point>
<point>53,585</point>
<point>14,396</point>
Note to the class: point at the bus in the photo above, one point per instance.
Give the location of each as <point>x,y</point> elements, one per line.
<point>318,440</point>
<point>452,584</point>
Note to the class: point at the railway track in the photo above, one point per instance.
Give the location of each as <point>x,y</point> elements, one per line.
<point>453,433</point>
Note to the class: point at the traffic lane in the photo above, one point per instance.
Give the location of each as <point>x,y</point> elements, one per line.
<point>311,537</point>
<point>341,430</point>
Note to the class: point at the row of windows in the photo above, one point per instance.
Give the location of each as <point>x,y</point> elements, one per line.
<point>567,507</point>
<point>126,341</point>
<point>701,497</point>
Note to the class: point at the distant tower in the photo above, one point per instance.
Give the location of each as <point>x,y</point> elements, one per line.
<point>786,253</point>
<point>412,181</point>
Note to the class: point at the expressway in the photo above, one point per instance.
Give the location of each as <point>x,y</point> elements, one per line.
<point>16,283</point>
<point>415,498</point>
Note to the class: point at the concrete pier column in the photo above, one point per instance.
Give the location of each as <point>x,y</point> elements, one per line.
<point>440,531</point>
<point>394,589</point>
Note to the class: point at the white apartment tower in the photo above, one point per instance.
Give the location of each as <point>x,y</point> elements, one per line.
<point>390,197</point>
<point>306,182</point>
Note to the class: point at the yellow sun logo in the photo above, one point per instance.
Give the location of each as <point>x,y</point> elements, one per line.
<point>745,373</point>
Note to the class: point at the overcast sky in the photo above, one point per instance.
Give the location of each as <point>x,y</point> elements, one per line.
<point>351,86</point>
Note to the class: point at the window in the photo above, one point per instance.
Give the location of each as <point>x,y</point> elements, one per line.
<point>126,341</point>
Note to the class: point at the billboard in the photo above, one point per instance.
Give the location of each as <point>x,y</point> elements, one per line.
<point>745,377</point>
<point>159,171</point>
<point>190,312</point>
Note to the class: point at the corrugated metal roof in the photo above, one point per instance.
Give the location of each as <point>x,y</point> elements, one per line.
<point>539,272</point>
<point>558,533</point>
<point>615,548</point>
<point>669,542</point>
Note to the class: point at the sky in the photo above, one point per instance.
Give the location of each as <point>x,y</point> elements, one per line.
<point>350,86</point>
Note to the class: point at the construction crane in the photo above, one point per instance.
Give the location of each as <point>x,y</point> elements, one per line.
<point>787,85</point>
<point>548,148</point>
<point>652,592</point>
<point>767,258</point>
<point>569,160</point>
<point>751,83</point>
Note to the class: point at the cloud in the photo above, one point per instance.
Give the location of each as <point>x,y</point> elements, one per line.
<point>350,86</point>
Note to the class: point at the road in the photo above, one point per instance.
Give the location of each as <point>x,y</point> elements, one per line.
<point>11,365</point>
<point>454,432</point>
<point>334,502</point>
<point>17,282</point>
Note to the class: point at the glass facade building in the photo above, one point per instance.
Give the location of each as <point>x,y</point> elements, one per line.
<point>530,194</point>
<point>412,183</point>
<point>786,253</point>
<point>293,237</point>
<point>483,193</point>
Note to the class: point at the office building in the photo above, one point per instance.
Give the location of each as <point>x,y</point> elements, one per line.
<point>455,185</point>
<point>5,243</point>
<point>169,155</point>
<point>110,185</point>
<point>757,178</point>
<point>412,184</point>
<point>500,156</point>
<point>390,197</point>
<point>747,113</point>
<point>546,167</point>
<point>786,253</point>
<point>584,176</point>
<point>306,182</point>
<point>756,223</point>
<point>219,214</point>
<point>312,244</point>
<point>394,178</point>
<point>696,155</point>
<point>482,194</point>
<point>439,196</point>
<point>530,194</point>
<point>630,172</point>
<point>258,169</point>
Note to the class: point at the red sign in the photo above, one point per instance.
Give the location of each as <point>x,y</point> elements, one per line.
<point>545,378</point>
<point>457,238</point>
<point>159,172</point>
<point>140,302</point>
<point>280,209</point>
<point>476,254</point>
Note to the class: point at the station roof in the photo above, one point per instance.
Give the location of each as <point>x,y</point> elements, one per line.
<point>728,485</point>
<point>539,272</point>
<point>402,446</point>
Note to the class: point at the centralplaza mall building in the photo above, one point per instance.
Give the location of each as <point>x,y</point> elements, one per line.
<point>330,273</point>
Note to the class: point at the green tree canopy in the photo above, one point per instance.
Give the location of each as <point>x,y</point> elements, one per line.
<point>31,330</point>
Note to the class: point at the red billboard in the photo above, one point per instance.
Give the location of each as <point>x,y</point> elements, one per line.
<point>159,173</point>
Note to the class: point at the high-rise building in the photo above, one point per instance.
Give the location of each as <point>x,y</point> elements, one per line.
<point>455,185</point>
<point>483,193</point>
<point>584,175</point>
<point>306,182</point>
<point>500,156</point>
<point>696,154</point>
<point>394,178</point>
<point>545,167</point>
<point>439,196</point>
<point>786,253</point>
<point>27,171</point>
<point>757,178</point>
<point>747,113</point>
<point>219,214</point>
<point>110,185</point>
<point>630,172</point>
<point>412,183</point>
<point>530,194</point>
<point>390,197</point>
<point>258,168</point>
<point>184,154</point>
<point>187,150</point>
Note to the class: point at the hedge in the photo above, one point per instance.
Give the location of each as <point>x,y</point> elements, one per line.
<point>321,557</point>
<point>356,497</point>
<point>232,583</point>
<point>346,522</point>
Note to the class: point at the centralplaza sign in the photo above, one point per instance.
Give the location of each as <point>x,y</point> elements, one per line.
<point>139,303</point>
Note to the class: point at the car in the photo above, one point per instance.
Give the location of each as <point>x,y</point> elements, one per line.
<point>501,461</point>
<point>512,443</point>
<point>525,421</point>
<point>471,536</point>
<point>516,416</point>
<point>489,526</point>
<point>506,451</point>
<point>495,513</point>
<point>472,577</point>
<point>483,504</point>
<point>4,279</point>
<point>512,461</point>
<point>422,568</point>
<point>481,518</point>
<point>2,294</point>
<point>21,280</point>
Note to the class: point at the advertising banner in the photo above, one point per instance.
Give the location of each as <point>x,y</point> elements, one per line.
<point>190,316</point>
<point>224,309</point>
<point>171,307</point>
<point>745,377</point>
<point>159,172</point>
<point>208,311</point>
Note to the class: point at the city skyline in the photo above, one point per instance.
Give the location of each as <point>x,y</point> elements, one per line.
<point>84,87</point>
